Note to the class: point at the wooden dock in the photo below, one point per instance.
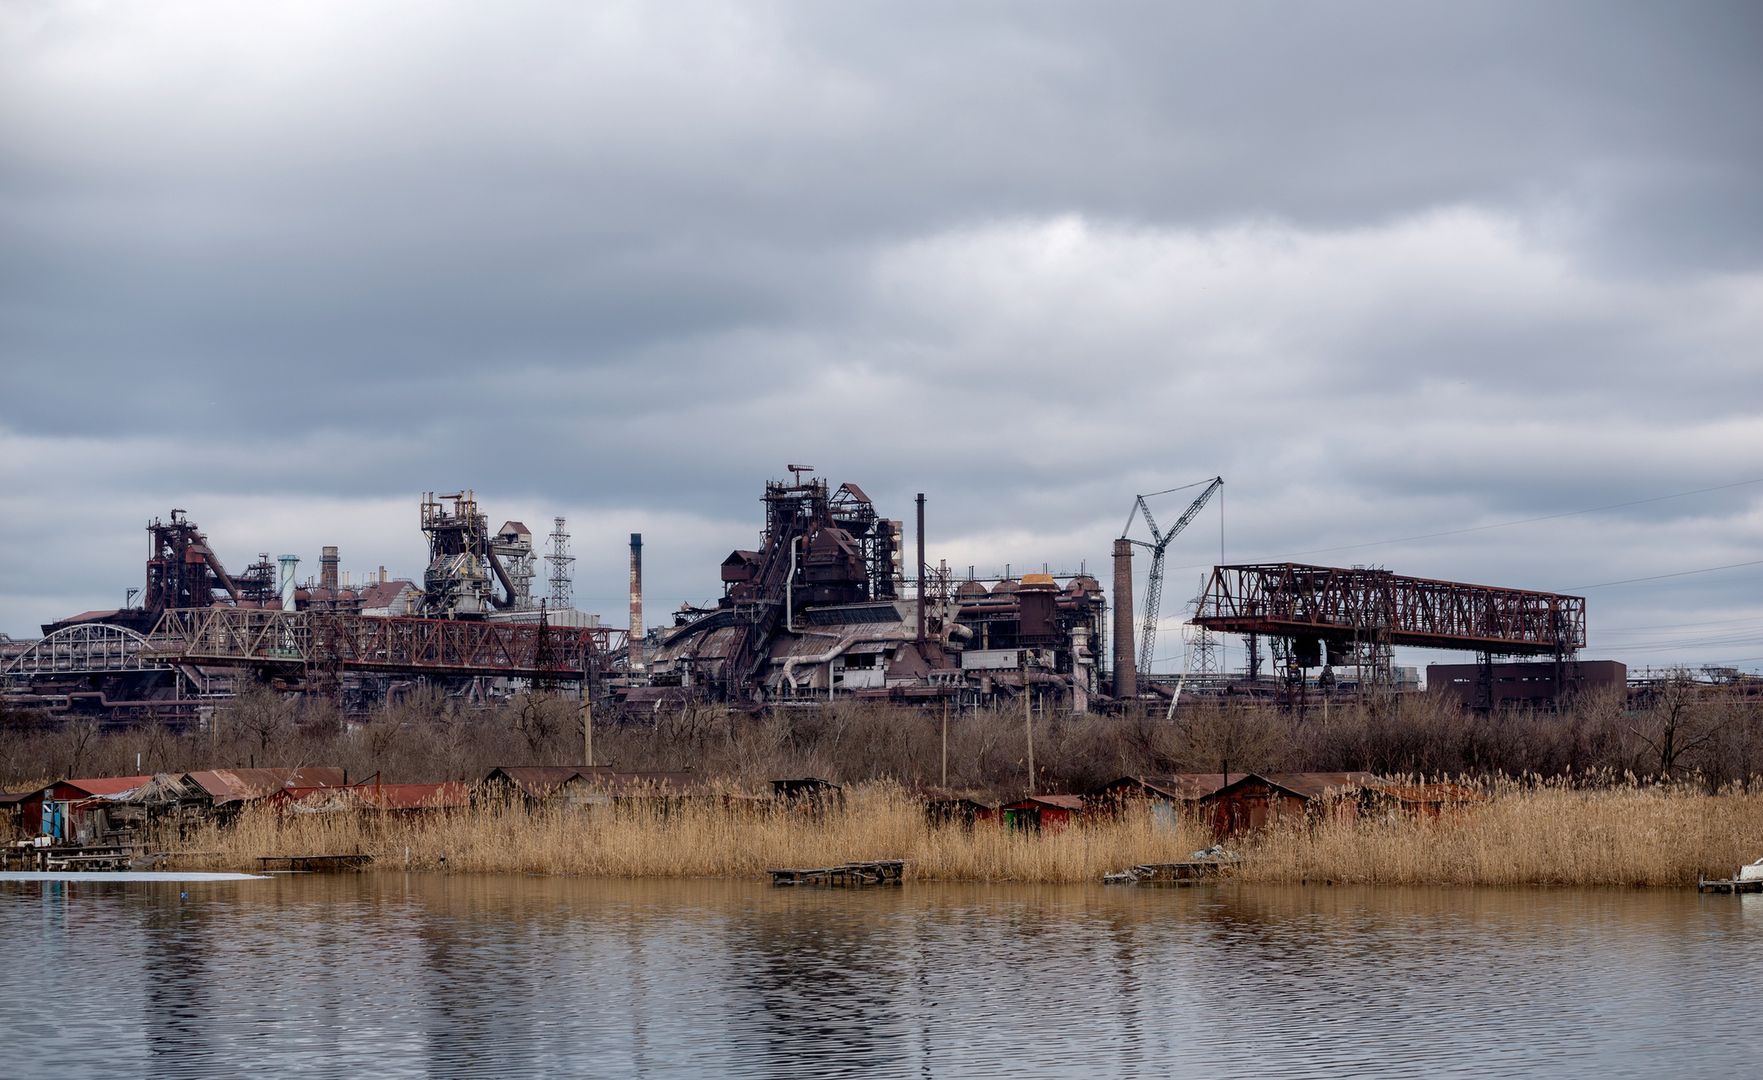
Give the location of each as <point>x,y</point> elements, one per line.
<point>1169,873</point>
<point>312,864</point>
<point>63,857</point>
<point>849,875</point>
<point>1734,885</point>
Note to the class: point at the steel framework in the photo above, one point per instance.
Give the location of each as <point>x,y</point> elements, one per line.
<point>85,647</point>
<point>1341,605</point>
<point>329,640</point>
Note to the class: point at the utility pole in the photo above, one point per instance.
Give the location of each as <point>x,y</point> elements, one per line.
<point>588,713</point>
<point>1028,722</point>
<point>945,783</point>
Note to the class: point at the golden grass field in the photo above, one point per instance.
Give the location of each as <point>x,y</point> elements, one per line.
<point>1520,834</point>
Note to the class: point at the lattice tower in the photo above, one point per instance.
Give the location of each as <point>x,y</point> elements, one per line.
<point>561,564</point>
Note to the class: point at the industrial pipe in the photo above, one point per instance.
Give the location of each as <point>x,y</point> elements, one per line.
<point>826,658</point>
<point>790,590</point>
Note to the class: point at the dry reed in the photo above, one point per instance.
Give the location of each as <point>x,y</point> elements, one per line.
<point>1536,833</point>
<point>1522,834</point>
<point>697,840</point>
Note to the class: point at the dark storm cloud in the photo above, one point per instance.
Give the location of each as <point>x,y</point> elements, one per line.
<point>1389,268</point>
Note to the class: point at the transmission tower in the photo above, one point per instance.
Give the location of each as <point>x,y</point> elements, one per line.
<point>562,565</point>
<point>1202,648</point>
<point>1159,543</point>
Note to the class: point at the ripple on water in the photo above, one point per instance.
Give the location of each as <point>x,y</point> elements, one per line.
<point>389,975</point>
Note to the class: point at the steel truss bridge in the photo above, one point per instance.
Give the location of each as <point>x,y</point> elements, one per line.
<point>254,637</point>
<point>198,640</point>
<point>1342,605</point>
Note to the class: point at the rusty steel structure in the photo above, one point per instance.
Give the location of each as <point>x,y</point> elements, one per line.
<point>1327,604</point>
<point>269,638</point>
<point>201,635</point>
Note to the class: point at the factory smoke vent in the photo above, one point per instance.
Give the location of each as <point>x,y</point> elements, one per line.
<point>328,562</point>
<point>635,637</point>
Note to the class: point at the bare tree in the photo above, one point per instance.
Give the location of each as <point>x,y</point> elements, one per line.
<point>1678,722</point>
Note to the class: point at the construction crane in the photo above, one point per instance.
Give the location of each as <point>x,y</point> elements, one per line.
<point>1158,544</point>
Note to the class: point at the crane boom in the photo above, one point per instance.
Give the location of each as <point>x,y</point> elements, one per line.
<point>1159,544</point>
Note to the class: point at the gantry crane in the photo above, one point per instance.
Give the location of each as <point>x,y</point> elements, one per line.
<point>1158,544</point>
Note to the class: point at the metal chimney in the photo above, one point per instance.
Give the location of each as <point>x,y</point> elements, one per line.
<point>635,638</point>
<point>1126,671</point>
<point>327,568</point>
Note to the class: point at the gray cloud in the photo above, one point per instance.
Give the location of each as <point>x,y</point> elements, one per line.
<point>1389,270</point>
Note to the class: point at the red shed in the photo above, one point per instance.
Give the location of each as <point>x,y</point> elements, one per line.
<point>1173,790</point>
<point>1037,813</point>
<point>69,804</point>
<point>1255,801</point>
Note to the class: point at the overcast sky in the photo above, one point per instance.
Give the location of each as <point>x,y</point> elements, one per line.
<point>1392,270</point>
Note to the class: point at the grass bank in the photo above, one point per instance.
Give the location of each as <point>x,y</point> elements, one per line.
<point>1541,834</point>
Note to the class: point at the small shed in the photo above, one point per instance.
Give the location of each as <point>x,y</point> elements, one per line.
<point>809,793</point>
<point>943,807</point>
<point>1420,800</point>
<point>74,809</point>
<point>1042,813</point>
<point>1254,801</point>
<point>12,811</point>
<point>232,789</point>
<point>658,790</point>
<point>1167,795</point>
<point>534,784</point>
<point>376,796</point>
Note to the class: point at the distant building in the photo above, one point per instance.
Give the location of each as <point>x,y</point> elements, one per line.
<point>1525,685</point>
<point>391,598</point>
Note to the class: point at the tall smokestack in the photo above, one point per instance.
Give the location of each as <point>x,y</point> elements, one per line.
<point>288,564</point>
<point>636,631</point>
<point>1126,672</point>
<point>327,567</point>
<point>921,581</point>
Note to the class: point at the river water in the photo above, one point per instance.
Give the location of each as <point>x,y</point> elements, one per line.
<point>455,976</point>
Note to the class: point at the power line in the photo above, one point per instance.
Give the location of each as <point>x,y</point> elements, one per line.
<point>1662,577</point>
<point>1518,521</point>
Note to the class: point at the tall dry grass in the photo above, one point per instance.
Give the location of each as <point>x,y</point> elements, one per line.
<point>1526,833</point>
<point>704,840</point>
<point>1543,833</point>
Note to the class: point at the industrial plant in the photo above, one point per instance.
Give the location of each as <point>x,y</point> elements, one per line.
<point>835,601</point>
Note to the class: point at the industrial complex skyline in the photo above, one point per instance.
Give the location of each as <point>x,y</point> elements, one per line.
<point>1465,292</point>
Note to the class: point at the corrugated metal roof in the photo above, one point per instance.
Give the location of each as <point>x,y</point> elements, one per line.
<point>1062,802</point>
<point>1181,786</point>
<point>106,785</point>
<point>240,785</point>
<point>448,795</point>
<point>538,781</point>
<point>712,643</point>
<point>1431,793</point>
<point>1308,785</point>
<point>647,783</point>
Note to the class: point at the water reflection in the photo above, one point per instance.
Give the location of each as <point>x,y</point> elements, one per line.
<point>393,975</point>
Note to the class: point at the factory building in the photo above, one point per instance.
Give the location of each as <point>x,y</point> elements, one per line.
<point>823,609</point>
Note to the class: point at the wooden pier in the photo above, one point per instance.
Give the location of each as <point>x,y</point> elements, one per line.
<point>312,864</point>
<point>850,875</point>
<point>1734,885</point>
<point>64,857</point>
<point>1169,873</point>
